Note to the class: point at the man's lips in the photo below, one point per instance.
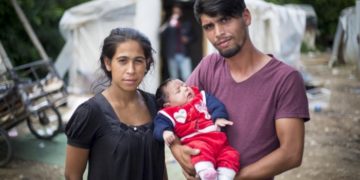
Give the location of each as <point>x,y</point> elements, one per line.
<point>223,43</point>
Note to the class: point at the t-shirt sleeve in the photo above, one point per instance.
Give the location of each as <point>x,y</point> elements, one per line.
<point>292,101</point>
<point>80,130</point>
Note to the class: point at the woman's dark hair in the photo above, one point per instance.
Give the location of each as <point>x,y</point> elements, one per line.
<point>212,8</point>
<point>120,35</point>
<point>160,95</point>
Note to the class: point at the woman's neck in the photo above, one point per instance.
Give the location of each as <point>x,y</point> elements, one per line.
<point>119,96</point>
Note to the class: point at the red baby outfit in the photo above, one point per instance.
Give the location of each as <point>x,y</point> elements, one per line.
<point>193,125</point>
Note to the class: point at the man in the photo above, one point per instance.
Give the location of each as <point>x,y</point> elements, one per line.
<point>265,98</point>
<point>177,35</point>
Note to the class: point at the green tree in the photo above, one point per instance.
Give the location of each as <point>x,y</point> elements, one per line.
<point>44,17</point>
<point>328,12</point>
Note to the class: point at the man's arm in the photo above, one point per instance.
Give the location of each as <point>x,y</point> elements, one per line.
<point>182,155</point>
<point>290,132</point>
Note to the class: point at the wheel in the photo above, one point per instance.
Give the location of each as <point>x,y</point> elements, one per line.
<point>46,123</point>
<point>5,148</point>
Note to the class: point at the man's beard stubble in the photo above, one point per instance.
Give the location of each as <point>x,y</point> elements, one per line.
<point>231,52</point>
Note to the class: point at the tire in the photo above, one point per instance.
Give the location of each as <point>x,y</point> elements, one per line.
<point>46,123</point>
<point>5,148</point>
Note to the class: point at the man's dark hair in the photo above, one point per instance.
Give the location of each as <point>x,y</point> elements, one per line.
<point>160,95</point>
<point>212,8</point>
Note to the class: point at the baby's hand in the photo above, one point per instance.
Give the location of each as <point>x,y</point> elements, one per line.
<point>169,137</point>
<point>221,122</point>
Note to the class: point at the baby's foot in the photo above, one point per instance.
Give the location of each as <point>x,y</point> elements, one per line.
<point>208,174</point>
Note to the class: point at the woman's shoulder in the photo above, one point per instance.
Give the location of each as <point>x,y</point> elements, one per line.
<point>150,101</point>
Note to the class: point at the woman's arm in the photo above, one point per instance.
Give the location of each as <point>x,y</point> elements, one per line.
<point>75,164</point>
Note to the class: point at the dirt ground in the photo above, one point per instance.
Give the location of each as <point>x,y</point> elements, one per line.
<point>332,142</point>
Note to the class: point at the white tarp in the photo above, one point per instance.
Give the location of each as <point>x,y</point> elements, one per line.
<point>346,44</point>
<point>358,33</point>
<point>277,30</point>
<point>85,26</point>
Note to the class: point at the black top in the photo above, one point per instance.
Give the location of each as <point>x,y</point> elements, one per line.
<point>117,151</point>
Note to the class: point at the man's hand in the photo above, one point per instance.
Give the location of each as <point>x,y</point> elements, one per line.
<point>182,154</point>
<point>169,137</point>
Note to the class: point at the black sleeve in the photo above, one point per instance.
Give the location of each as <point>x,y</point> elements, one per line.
<point>81,128</point>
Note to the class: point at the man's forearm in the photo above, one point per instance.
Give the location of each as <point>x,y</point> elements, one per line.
<point>273,164</point>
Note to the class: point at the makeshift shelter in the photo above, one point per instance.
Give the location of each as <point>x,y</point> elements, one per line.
<point>346,48</point>
<point>275,29</point>
<point>85,26</point>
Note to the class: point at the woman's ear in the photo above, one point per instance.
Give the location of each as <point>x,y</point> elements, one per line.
<point>107,62</point>
<point>166,104</point>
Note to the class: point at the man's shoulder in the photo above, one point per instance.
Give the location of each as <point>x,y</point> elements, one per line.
<point>213,59</point>
<point>281,67</point>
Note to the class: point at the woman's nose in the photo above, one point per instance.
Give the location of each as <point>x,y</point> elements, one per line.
<point>130,68</point>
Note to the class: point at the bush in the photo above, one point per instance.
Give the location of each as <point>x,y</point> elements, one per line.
<point>44,17</point>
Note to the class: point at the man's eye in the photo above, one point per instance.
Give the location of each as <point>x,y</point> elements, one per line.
<point>224,19</point>
<point>207,27</point>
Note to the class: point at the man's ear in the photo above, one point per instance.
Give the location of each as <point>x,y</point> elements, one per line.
<point>246,16</point>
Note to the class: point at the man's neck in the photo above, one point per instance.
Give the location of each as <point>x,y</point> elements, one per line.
<point>246,63</point>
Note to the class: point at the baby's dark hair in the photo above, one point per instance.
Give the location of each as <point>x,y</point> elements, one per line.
<point>160,95</point>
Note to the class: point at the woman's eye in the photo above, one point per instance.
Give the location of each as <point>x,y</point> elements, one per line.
<point>140,60</point>
<point>122,60</point>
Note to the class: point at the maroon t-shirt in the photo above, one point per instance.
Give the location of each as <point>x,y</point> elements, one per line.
<point>275,91</point>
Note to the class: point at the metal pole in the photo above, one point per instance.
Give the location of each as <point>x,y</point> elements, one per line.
<point>4,58</point>
<point>29,30</point>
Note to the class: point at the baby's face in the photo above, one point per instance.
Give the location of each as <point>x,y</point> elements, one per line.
<point>178,93</point>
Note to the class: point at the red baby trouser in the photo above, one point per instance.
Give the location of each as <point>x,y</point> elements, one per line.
<point>215,148</point>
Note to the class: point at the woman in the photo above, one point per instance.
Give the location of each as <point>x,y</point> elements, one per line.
<point>113,131</point>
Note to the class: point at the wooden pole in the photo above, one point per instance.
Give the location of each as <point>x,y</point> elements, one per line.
<point>29,30</point>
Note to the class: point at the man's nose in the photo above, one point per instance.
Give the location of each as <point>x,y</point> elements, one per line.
<point>219,30</point>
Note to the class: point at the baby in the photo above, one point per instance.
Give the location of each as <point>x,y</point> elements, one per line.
<point>196,117</point>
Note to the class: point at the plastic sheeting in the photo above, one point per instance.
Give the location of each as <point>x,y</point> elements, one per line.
<point>346,48</point>
<point>85,26</point>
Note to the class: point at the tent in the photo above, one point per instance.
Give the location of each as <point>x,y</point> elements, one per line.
<point>85,26</point>
<point>346,48</point>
